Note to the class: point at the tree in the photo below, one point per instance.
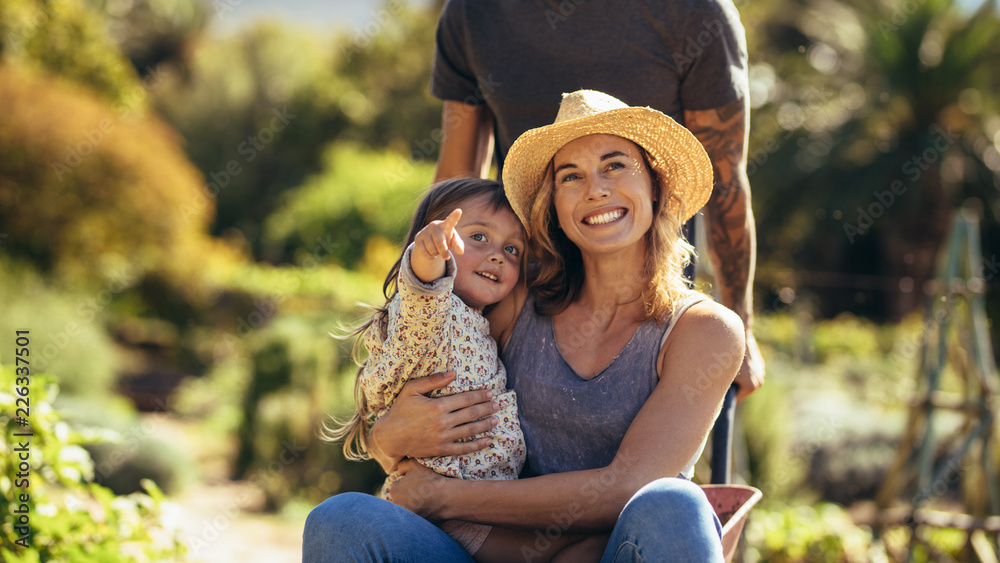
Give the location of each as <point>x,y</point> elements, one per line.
<point>367,86</point>
<point>86,190</point>
<point>875,128</point>
<point>67,39</point>
<point>155,32</point>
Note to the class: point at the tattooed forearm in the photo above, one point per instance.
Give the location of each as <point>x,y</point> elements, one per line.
<point>729,218</point>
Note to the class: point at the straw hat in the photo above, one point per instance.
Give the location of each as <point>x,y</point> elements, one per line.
<point>675,154</point>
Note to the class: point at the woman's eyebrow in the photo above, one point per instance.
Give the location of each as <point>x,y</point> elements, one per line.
<point>612,154</point>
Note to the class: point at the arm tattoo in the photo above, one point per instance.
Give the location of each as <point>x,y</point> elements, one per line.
<point>729,218</point>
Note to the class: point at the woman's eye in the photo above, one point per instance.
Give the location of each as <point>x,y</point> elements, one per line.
<point>616,165</point>
<point>569,178</point>
<point>478,237</point>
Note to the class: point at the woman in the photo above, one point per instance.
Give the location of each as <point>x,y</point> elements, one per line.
<point>618,367</point>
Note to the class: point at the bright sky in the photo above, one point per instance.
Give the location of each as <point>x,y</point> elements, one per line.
<point>326,15</point>
<point>317,15</point>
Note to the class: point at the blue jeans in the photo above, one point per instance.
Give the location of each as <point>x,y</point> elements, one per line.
<point>667,520</point>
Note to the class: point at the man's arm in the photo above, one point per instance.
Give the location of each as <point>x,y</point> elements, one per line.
<point>466,141</point>
<point>729,221</point>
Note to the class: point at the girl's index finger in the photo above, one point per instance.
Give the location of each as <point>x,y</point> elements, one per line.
<point>451,220</point>
<point>455,242</point>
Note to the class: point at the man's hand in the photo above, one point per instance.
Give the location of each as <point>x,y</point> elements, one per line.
<point>751,374</point>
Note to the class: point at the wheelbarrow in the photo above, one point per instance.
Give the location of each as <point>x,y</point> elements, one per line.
<point>732,503</point>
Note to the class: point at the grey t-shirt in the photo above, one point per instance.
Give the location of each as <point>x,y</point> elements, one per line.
<point>520,56</point>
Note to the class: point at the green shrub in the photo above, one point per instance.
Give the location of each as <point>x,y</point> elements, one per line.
<point>256,109</point>
<point>778,333</point>
<point>767,420</point>
<point>123,467</point>
<point>72,345</point>
<point>70,518</point>
<point>68,39</point>
<point>216,398</point>
<point>846,336</point>
<point>299,375</point>
<point>824,533</point>
<point>85,193</point>
<point>362,196</point>
<point>136,454</point>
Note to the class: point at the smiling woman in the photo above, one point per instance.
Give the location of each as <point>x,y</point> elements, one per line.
<point>653,149</point>
<point>604,196</point>
<point>606,349</point>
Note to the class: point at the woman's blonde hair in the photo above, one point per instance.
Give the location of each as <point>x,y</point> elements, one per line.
<point>441,199</point>
<point>558,277</point>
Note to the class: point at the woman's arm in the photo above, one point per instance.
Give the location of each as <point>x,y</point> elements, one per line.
<point>419,426</point>
<point>696,368</point>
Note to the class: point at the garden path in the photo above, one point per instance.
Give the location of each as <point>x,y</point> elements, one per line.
<point>222,520</point>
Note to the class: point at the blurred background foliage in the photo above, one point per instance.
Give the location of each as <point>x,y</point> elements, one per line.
<point>185,215</point>
<point>72,517</point>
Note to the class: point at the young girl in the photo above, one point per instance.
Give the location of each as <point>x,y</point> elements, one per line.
<point>463,254</point>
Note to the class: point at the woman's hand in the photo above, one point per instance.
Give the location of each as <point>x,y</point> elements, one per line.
<point>420,490</point>
<point>420,426</point>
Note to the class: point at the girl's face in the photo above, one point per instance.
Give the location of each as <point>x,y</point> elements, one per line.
<point>603,193</point>
<point>494,242</point>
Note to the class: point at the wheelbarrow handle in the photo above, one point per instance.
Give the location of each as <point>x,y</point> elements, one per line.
<point>722,439</point>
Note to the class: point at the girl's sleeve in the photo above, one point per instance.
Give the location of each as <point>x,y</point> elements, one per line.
<point>416,342</point>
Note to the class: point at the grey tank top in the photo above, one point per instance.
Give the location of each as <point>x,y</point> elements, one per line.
<point>571,423</point>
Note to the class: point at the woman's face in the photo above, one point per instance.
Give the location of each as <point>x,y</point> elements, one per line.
<point>603,193</point>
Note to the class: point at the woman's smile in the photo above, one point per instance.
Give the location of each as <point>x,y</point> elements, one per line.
<point>604,217</point>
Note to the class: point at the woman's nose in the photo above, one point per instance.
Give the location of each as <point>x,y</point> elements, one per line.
<point>597,188</point>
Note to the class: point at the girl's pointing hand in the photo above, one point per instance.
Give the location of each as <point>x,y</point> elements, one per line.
<point>438,237</point>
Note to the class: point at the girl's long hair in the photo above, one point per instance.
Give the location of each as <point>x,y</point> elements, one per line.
<point>440,200</point>
<point>558,277</point>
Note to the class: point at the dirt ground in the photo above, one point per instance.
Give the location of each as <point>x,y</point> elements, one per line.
<point>219,519</point>
<point>217,527</point>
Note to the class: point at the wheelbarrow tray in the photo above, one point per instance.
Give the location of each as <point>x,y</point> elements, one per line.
<point>732,504</point>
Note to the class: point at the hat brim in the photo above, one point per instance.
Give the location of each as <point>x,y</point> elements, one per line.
<point>675,154</point>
